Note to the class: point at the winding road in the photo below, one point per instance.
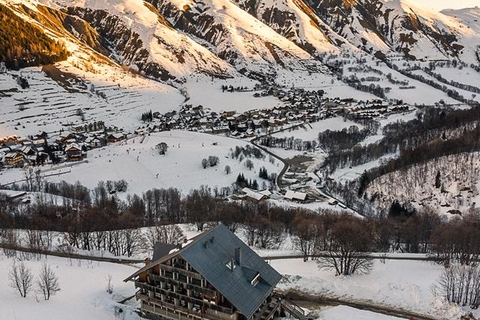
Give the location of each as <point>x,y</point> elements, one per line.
<point>279,180</point>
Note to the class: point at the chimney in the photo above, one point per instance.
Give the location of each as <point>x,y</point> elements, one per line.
<point>147,261</point>
<point>238,256</point>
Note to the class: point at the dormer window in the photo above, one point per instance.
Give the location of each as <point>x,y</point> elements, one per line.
<point>231,264</point>
<point>255,279</point>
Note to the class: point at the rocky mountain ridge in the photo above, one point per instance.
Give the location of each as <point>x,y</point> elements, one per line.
<point>169,39</point>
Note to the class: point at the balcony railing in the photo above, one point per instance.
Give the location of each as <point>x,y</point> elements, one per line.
<point>182,297</point>
<point>181,271</point>
<point>177,312</point>
<point>205,291</point>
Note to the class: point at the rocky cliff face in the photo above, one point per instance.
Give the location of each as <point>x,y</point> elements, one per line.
<point>121,40</point>
<point>395,26</point>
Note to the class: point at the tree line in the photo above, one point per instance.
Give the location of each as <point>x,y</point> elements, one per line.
<point>290,143</point>
<point>347,138</point>
<point>107,223</point>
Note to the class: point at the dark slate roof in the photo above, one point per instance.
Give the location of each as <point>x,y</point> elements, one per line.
<point>210,255</point>
<point>210,252</point>
<point>161,250</point>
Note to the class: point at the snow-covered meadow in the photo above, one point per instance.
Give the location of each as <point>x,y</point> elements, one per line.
<point>82,292</point>
<point>138,162</point>
<point>398,284</point>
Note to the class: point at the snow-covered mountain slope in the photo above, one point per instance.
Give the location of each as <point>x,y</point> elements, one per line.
<point>152,36</point>
<point>234,35</point>
<point>174,38</point>
<point>448,184</point>
<point>397,26</point>
<point>171,39</point>
<point>72,97</point>
<point>468,20</point>
<point>296,21</point>
<point>131,33</point>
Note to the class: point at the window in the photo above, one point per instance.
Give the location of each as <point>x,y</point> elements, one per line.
<point>255,279</point>
<point>231,264</point>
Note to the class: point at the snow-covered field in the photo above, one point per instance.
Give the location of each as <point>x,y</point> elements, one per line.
<point>208,93</point>
<point>82,292</point>
<point>310,131</point>
<point>399,284</point>
<point>138,162</point>
<point>343,312</point>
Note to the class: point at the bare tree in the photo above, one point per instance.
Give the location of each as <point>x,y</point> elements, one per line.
<point>109,287</point>
<point>9,238</point>
<point>204,163</point>
<point>269,234</point>
<point>21,278</point>
<point>348,244</point>
<point>30,178</point>
<point>249,164</point>
<point>460,284</point>
<point>213,161</point>
<point>200,206</point>
<point>47,282</point>
<point>457,240</point>
<point>131,241</point>
<point>171,234</point>
<point>307,231</point>
<point>38,179</point>
<point>162,148</point>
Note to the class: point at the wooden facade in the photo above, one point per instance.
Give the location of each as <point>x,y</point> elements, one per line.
<point>213,276</point>
<point>73,152</point>
<point>15,159</point>
<point>174,290</point>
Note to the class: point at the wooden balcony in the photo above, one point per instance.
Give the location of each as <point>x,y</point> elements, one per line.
<point>187,299</point>
<point>188,286</point>
<point>171,311</point>
<point>183,272</point>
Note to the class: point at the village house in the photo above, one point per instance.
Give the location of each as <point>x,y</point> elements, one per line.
<point>295,196</point>
<point>95,142</point>
<point>64,137</point>
<point>213,276</point>
<point>15,159</point>
<point>73,152</point>
<point>253,194</point>
<point>115,137</point>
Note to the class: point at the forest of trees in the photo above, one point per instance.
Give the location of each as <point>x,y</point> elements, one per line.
<point>436,132</point>
<point>347,138</point>
<point>24,45</point>
<point>103,222</point>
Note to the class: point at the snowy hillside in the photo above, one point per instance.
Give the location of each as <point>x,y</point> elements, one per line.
<point>111,95</point>
<point>449,184</point>
<point>172,39</point>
